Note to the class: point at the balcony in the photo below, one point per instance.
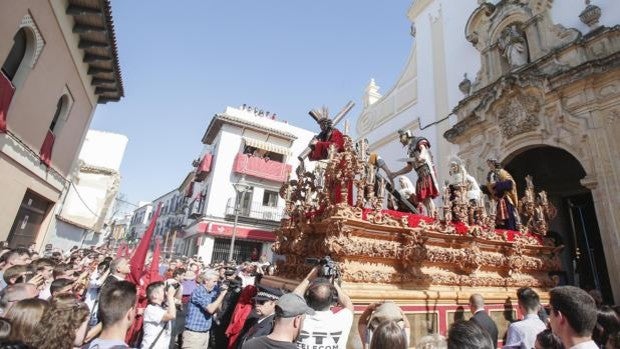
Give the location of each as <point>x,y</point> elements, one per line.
<point>204,167</point>
<point>6,95</point>
<point>257,213</point>
<point>261,168</point>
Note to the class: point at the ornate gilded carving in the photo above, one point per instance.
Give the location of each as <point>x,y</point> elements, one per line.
<point>373,245</point>
<point>537,211</point>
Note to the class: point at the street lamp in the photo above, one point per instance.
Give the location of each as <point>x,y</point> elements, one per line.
<point>241,187</point>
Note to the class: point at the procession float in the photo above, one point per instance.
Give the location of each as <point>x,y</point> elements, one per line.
<point>384,243</point>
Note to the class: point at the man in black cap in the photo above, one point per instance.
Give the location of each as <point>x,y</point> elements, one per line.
<point>290,311</point>
<point>262,320</point>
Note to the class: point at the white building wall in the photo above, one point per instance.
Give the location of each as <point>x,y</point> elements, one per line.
<point>221,176</point>
<point>69,235</point>
<point>103,149</point>
<point>88,200</point>
<point>205,250</point>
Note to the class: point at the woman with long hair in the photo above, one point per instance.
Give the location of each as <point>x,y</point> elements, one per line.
<point>24,316</point>
<point>389,335</point>
<point>607,322</point>
<point>63,324</point>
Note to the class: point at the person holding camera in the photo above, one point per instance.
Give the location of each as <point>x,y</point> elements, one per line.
<point>157,326</point>
<point>204,302</point>
<point>223,317</point>
<point>326,327</point>
<point>94,284</point>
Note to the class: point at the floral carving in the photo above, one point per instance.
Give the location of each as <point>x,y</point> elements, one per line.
<point>518,114</point>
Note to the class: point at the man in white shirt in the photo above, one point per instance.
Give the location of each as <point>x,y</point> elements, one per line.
<point>157,327</point>
<point>45,268</point>
<point>572,315</point>
<point>94,284</point>
<point>325,328</point>
<point>522,334</point>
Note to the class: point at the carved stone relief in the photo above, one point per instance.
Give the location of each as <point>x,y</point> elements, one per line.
<point>518,114</point>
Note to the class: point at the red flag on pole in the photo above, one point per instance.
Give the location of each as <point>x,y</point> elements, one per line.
<point>136,264</point>
<point>138,276</point>
<point>154,275</point>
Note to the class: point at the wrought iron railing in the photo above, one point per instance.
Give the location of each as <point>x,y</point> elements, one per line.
<point>268,213</point>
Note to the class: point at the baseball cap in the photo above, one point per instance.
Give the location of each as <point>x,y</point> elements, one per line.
<point>291,305</point>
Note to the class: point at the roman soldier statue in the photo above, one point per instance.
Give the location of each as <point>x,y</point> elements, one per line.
<point>420,160</point>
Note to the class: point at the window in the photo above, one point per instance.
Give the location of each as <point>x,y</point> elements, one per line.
<point>203,200</point>
<point>245,205</point>
<point>62,108</point>
<point>16,55</point>
<point>270,198</point>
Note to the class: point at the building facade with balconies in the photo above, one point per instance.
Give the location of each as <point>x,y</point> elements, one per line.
<point>247,157</point>
<point>58,61</point>
<point>140,220</point>
<point>170,220</point>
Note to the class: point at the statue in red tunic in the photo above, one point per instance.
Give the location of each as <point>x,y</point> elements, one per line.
<point>318,149</point>
<point>328,136</point>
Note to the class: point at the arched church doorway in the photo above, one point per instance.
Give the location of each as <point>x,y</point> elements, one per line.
<point>575,226</point>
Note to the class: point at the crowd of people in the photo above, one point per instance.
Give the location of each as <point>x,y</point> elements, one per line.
<point>86,298</point>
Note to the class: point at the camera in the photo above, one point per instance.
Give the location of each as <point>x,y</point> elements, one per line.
<point>329,268</point>
<point>228,272</point>
<point>234,285</point>
<point>174,285</point>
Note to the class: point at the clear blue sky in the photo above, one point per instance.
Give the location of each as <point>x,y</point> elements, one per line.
<point>183,61</point>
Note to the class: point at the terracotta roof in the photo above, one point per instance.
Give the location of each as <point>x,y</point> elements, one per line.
<point>219,119</point>
<point>95,27</point>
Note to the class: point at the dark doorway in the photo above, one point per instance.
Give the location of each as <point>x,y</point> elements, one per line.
<point>575,226</point>
<point>242,250</point>
<point>27,223</point>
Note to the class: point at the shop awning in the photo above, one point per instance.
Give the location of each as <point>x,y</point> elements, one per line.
<point>246,233</point>
<point>267,146</point>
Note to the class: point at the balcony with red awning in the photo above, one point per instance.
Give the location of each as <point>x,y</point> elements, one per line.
<point>262,168</point>
<point>204,167</point>
<point>6,95</point>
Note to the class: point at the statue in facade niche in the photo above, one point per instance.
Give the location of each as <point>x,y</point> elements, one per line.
<point>513,46</point>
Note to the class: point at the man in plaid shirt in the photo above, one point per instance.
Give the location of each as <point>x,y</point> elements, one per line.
<point>204,301</point>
